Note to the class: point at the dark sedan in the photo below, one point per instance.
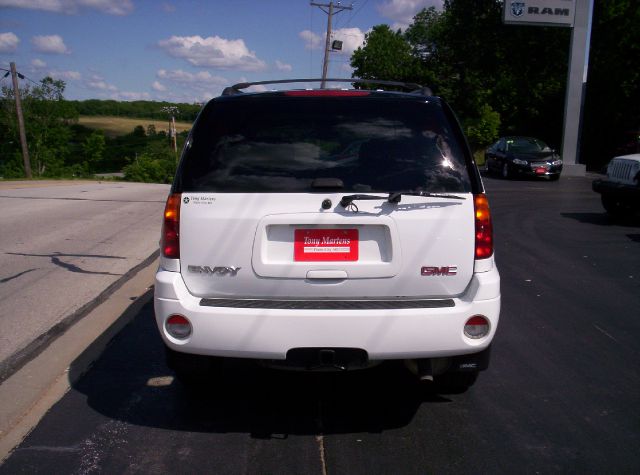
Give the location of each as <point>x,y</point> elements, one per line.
<point>523,156</point>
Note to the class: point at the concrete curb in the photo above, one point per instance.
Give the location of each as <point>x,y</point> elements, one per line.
<point>39,344</point>
<point>27,394</point>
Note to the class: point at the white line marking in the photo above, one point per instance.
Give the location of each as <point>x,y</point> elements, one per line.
<point>605,333</point>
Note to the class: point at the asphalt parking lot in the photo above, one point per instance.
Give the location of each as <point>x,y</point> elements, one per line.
<point>562,393</point>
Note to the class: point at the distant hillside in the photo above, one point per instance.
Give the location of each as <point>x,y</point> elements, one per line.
<point>140,109</point>
<point>117,126</point>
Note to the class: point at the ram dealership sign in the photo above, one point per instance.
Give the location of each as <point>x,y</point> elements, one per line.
<point>539,12</point>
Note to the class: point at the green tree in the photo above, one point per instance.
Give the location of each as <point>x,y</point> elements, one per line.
<point>47,119</point>
<point>474,61</point>
<point>157,164</point>
<point>611,123</point>
<point>520,72</point>
<point>93,149</point>
<point>385,55</point>
<point>484,129</point>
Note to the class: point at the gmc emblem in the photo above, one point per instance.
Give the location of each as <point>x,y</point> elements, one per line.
<point>439,271</point>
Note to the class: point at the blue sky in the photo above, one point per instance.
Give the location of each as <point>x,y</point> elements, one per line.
<point>181,51</point>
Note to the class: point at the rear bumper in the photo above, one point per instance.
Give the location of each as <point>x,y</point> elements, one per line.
<point>526,170</point>
<point>619,190</point>
<point>385,334</point>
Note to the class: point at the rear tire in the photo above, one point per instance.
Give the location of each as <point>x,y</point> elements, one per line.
<point>192,370</point>
<point>615,207</point>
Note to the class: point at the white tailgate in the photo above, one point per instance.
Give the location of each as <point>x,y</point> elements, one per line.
<point>257,233</point>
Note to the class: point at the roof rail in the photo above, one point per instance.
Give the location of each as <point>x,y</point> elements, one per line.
<point>412,87</point>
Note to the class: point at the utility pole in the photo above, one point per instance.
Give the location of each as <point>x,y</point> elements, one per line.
<point>332,10</point>
<point>173,134</point>
<point>23,135</point>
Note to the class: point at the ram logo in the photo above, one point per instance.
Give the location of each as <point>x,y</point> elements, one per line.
<point>221,270</point>
<point>446,271</point>
<point>517,8</point>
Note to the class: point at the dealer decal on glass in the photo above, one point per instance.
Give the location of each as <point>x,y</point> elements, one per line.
<point>325,245</point>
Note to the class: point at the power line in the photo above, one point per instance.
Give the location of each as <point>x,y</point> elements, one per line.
<point>353,15</point>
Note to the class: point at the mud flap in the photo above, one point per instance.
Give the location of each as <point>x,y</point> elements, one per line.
<point>473,362</point>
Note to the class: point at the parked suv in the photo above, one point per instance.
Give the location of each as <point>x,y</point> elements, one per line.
<point>328,229</point>
<point>620,191</point>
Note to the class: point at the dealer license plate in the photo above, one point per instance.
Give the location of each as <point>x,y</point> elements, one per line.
<point>317,245</point>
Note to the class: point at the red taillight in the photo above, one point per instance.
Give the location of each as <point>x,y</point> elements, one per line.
<point>170,242</point>
<point>484,229</point>
<point>178,326</point>
<point>326,93</point>
<point>476,327</point>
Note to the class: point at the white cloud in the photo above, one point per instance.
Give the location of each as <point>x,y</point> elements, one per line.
<point>311,40</point>
<point>346,68</point>
<point>8,42</point>
<point>257,88</point>
<point>52,44</point>
<point>182,96</point>
<point>403,11</point>
<point>284,67</point>
<point>158,86</point>
<point>202,78</point>
<point>66,75</point>
<point>38,64</point>
<point>111,7</point>
<point>184,86</point>
<point>213,51</point>
<point>96,82</point>
<point>167,7</point>
<point>351,39</point>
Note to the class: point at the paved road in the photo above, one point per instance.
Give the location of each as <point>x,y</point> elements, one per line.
<point>61,245</point>
<point>562,394</point>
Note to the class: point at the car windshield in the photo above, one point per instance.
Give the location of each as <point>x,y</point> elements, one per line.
<point>285,144</point>
<point>526,145</point>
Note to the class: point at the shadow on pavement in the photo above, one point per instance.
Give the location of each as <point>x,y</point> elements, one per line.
<point>602,219</point>
<point>131,383</point>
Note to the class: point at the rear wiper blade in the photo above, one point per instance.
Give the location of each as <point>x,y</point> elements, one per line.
<point>396,196</point>
<point>347,200</point>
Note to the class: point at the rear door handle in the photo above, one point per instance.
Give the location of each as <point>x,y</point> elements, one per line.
<point>327,274</point>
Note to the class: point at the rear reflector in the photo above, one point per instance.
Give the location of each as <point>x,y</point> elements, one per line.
<point>476,327</point>
<point>326,93</point>
<point>178,327</point>
<point>484,228</point>
<point>170,241</point>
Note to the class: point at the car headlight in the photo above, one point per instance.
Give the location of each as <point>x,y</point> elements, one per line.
<point>517,161</point>
<point>556,163</point>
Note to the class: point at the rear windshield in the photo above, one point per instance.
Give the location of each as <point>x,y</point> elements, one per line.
<point>526,145</point>
<point>281,144</point>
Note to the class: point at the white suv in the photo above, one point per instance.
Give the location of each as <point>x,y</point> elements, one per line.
<point>620,191</point>
<point>326,229</point>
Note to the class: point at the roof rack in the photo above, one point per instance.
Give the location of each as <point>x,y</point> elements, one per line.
<point>412,87</point>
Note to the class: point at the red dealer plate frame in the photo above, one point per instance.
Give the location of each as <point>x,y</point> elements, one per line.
<point>321,245</point>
